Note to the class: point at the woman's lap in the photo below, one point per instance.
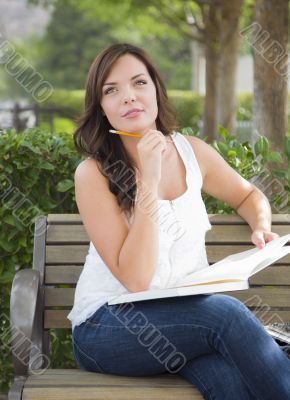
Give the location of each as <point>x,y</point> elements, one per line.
<point>169,335</point>
<point>155,329</point>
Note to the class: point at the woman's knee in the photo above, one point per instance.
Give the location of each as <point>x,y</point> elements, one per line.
<point>216,378</point>
<point>229,306</point>
<point>219,312</point>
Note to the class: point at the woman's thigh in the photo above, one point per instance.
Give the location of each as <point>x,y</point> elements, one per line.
<point>216,378</point>
<point>154,336</point>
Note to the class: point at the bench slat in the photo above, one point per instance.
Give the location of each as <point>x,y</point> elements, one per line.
<point>82,377</point>
<point>74,392</point>
<point>214,218</point>
<point>76,254</point>
<point>69,274</point>
<point>58,318</point>
<point>274,297</point>
<point>236,234</point>
<point>62,274</point>
<point>82,385</point>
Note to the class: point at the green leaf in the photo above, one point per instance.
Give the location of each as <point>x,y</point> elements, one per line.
<point>275,156</point>
<point>9,220</point>
<point>6,278</point>
<point>65,185</point>
<point>23,241</point>
<point>12,234</point>
<point>286,144</point>
<point>7,246</point>
<point>240,151</point>
<point>187,131</point>
<point>29,146</point>
<point>232,153</point>
<point>262,146</point>
<point>46,165</point>
<point>223,132</point>
<point>223,148</point>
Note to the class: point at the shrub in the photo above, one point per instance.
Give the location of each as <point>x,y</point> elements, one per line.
<point>36,178</point>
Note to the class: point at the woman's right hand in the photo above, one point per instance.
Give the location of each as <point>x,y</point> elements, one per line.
<point>150,148</point>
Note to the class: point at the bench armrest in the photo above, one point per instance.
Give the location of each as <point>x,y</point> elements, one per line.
<point>25,296</point>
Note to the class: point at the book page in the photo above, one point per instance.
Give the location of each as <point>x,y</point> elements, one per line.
<point>276,255</point>
<point>256,254</point>
<point>241,265</point>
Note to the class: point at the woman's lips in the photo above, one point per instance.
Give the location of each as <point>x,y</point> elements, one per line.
<point>133,114</point>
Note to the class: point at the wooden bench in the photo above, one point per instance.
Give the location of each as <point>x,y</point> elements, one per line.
<point>38,304</point>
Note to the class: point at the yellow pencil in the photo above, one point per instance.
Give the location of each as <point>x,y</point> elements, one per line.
<point>125,133</point>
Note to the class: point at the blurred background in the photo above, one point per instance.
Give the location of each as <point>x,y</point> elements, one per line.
<point>220,59</point>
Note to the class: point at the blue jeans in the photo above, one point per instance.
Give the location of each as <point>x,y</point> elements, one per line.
<point>213,341</point>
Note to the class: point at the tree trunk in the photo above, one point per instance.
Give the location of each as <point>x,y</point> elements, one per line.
<point>212,56</point>
<point>230,42</point>
<point>270,70</point>
<point>195,74</point>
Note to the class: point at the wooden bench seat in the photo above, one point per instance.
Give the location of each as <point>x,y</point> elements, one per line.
<point>42,297</point>
<point>82,385</point>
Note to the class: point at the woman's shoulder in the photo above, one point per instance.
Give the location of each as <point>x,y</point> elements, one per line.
<point>88,168</point>
<point>199,148</point>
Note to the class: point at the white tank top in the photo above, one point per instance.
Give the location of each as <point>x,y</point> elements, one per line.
<point>183,223</point>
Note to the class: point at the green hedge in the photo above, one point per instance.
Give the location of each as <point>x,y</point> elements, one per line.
<point>36,175</point>
<point>37,169</point>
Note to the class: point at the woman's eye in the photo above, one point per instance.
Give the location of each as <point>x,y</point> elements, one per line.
<point>141,81</point>
<point>109,90</point>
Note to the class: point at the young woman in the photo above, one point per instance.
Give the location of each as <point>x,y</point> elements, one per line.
<point>140,201</point>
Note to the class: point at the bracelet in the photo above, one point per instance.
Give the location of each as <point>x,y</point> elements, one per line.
<point>245,199</point>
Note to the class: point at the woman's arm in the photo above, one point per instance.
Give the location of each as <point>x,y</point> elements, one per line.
<point>130,252</point>
<point>220,180</point>
<point>256,210</point>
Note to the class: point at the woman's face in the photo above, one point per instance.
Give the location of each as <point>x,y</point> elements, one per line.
<point>129,96</point>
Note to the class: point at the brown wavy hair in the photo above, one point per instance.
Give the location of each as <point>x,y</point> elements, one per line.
<point>92,137</point>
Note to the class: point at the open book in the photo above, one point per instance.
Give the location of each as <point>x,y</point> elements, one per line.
<point>231,273</point>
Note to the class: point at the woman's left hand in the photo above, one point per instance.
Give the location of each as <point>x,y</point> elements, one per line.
<point>260,237</point>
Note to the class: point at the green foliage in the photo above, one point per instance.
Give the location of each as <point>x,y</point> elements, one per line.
<point>188,107</point>
<point>244,106</point>
<point>36,176</point>
<point>37,167</point>
<point>26,53</point>
<point>268,170</point>
<point>70,102</point>
<point>59,125</point>
<point>67,52</point>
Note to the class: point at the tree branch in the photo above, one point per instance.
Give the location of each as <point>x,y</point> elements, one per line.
<point>170,17</point>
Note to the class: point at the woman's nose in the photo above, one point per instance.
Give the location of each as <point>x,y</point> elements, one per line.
<point>129,96</point>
